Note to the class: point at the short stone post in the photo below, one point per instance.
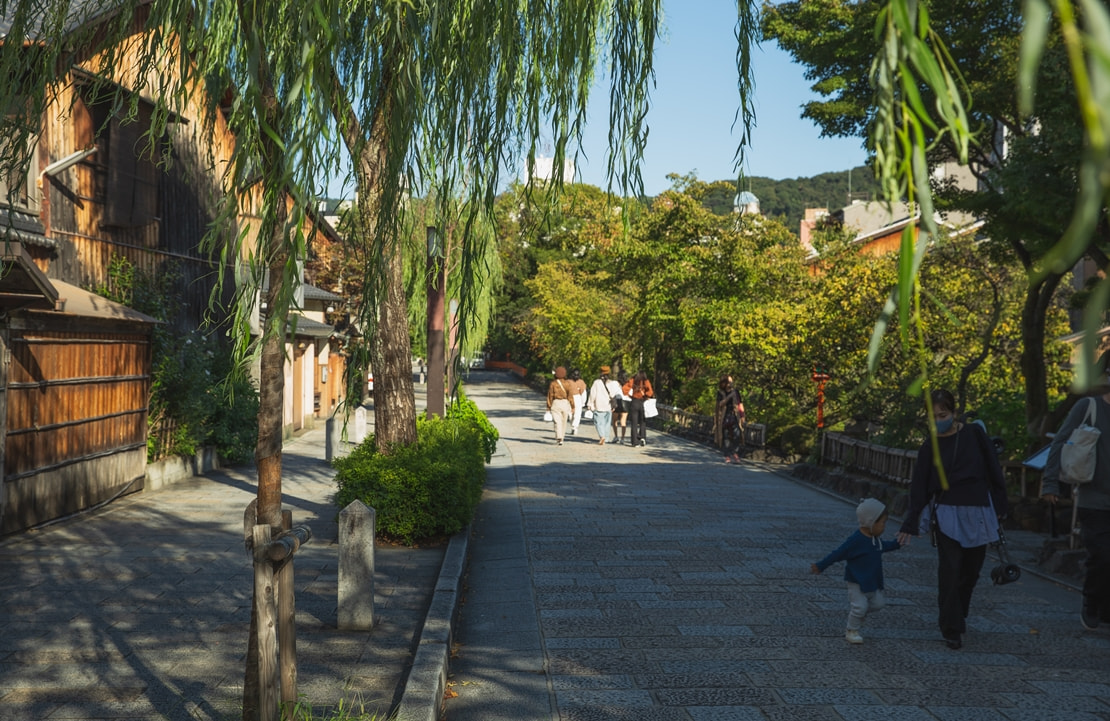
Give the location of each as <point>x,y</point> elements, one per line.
<point>360,425</point>
<point>356,567</point>
<point>332,432</point>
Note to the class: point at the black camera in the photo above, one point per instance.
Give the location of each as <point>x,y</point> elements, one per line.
<point>1005,573</point>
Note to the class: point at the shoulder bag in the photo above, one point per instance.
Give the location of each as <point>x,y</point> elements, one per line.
<point>1080,452</point>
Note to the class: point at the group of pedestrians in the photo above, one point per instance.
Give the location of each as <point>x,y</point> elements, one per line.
<point>616,405</point>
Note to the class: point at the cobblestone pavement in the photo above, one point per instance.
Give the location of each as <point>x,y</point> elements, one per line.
<point>141,611</point>
<point>659,584</point>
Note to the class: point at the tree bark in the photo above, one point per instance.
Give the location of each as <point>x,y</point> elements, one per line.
<point>390,349</point>
<point>1033,320</point>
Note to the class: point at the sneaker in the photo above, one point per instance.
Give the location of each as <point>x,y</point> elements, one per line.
<point>954,641</point>
<point>1088,615</point>
<point>852,636</point>
<point>643,442</point>
<point>559,443</point>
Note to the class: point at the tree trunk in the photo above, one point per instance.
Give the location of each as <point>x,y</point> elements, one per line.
<point>390,346</point>
<point>390,349</point>
<point>1037,301</point>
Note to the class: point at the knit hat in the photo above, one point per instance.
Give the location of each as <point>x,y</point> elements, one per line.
<point>605,370</point>
<point>560,372</point>
<point>868,511</point>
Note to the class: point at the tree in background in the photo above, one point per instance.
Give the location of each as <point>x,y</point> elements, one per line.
<point>1025,215</point>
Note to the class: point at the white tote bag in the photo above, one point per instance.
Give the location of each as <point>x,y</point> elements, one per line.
<point>1080,451</point>
<point>651,409</point>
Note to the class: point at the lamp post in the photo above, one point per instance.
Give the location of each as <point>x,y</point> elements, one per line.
<point>437,290</point>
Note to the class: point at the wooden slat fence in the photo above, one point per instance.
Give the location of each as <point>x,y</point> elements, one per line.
<point>755,434</point>
<point>896,464</point>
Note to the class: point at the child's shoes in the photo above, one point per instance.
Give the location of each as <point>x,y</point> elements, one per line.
<point>852,636</point>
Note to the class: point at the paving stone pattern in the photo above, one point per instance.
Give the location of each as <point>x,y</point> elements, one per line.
<point>660,584</point>
<point>141,611</point>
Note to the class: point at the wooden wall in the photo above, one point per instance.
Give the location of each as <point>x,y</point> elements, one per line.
<point>76,421</point>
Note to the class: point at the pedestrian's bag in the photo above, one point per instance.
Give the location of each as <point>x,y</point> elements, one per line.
<point>650,408</point>
<point>1078,454</point>
<point>588,414</point>
<point>548,417</point>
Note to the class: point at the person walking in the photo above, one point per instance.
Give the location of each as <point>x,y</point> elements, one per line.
<point>560,401</point>
<point>620,409</point>
<point>1092,503</point>
<point>639,389</point>
<point>728,420</point>
<point>603,397</point>
<point>579,399</point>
<point>862,553</point>
<point>962,511</point>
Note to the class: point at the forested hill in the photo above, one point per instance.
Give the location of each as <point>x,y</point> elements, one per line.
<point>788,199</point>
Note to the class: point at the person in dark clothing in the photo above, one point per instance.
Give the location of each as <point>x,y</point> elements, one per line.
<point>961,511</point>
<point>728,421</point>
<point>1092,501</point>
<point>639,389</point>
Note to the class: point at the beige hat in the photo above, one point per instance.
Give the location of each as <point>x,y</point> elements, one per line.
<point>868,511</point>
<point>604,369</point>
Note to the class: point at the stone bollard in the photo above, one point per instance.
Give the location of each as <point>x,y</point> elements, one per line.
<point>333,431</point>
<point>360,425</point>
<point>356,567</point>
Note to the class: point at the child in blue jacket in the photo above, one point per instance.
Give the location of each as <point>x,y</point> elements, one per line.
<point>863,570</point>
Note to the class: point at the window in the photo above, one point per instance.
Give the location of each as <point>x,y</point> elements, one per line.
<point>125,178</point>
<point>18,166</point>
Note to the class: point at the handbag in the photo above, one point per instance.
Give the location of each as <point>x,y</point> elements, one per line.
<point>616,405</point>
<point>588,414</point>
<point>651,409</point>
<point>1005,572</point>
<point>1079,453</point>
<point>548,417</point>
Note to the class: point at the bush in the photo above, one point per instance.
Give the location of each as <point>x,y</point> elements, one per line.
<point>795,440</point>
<point>233,421</point>
<point>423,490</point>
<point>464,409</point>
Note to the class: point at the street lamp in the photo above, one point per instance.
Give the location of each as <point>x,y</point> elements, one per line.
<point>437,290</point>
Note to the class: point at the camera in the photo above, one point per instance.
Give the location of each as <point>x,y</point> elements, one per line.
<point>1005,573</point>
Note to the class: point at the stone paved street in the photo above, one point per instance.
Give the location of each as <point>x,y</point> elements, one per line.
<point>660,584</point>
<point>141,611</point>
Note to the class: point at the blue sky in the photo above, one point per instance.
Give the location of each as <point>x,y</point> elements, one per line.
<point>695,101</point>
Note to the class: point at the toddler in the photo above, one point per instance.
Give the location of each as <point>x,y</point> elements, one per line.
<point>863,569</point>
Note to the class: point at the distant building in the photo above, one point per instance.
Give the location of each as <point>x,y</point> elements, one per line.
<point>878,227</point>
<point>543,170</point>
<point>746,203</point>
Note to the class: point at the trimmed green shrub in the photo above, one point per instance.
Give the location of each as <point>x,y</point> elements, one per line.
<point>464,409</point>
<point>426,489</point>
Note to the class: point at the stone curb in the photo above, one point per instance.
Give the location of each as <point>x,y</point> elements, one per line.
<point>422,697</point>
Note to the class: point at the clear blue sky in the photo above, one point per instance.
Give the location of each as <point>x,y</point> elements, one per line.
<point>695,101</point>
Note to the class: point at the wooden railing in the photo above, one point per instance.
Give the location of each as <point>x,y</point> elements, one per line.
<point>896,464</point>
<point>755,434</point>
<point>892,464</point>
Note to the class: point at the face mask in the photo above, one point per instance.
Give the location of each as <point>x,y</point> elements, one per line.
<point>945,425</point>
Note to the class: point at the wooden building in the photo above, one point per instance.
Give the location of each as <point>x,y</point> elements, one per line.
<point>75,378</point>
<point>75,382</point>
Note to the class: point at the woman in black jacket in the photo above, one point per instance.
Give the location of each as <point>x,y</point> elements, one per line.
<point>962,510</point>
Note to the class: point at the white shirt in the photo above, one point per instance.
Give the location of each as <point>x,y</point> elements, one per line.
<point>600,392</point>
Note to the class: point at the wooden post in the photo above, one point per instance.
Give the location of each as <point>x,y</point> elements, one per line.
<point>268,681</point>
<point>287,628</point>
